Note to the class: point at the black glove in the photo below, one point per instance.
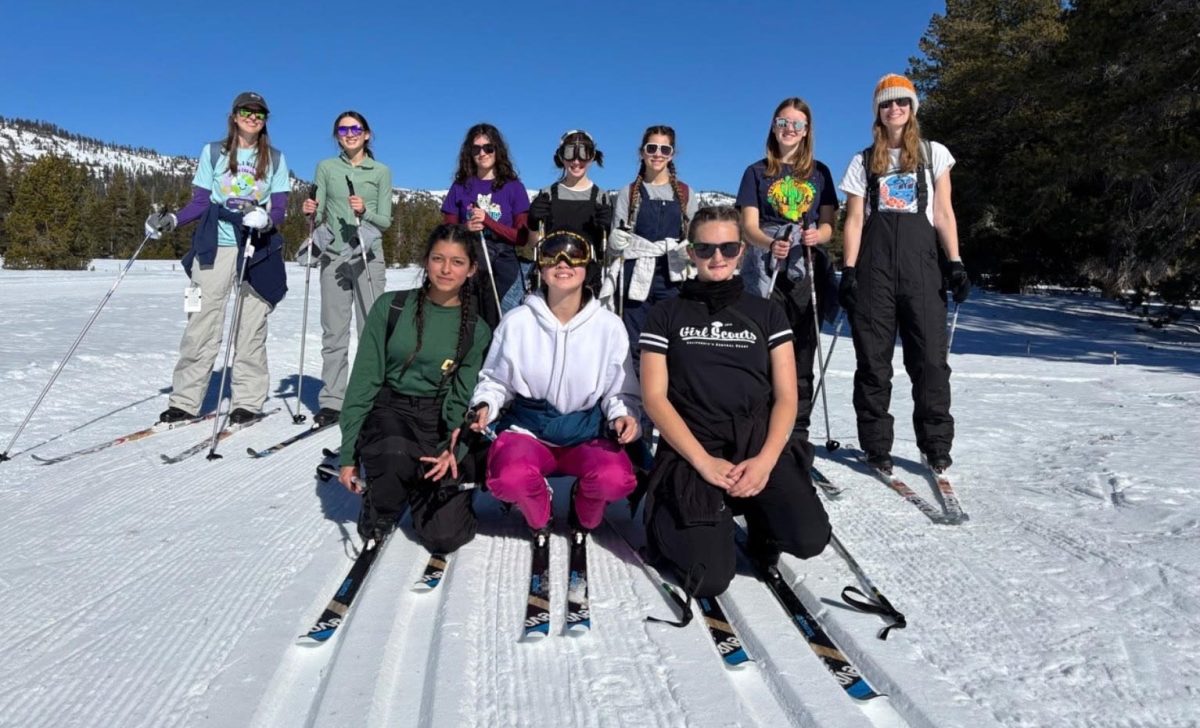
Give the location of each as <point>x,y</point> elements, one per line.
<point>539,211</point>
<point>958,282</point>
<point>848,290</point>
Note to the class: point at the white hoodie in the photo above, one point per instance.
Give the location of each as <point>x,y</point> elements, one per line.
<point>571,366</point>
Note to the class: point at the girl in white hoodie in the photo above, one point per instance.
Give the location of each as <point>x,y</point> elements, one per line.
<point>557,379</point>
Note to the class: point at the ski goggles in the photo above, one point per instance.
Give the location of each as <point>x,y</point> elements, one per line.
<point>564,245</point>
<point>259,114</point>
<point>354,130</point>
<point>796,124</point>
<point>704,251</point>
<point>664,149</point>
<point>579,150</point>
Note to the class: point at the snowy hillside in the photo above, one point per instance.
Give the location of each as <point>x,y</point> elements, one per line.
<point>143,594</point>
<point>21,141</point>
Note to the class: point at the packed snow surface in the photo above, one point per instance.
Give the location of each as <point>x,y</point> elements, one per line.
<point>142,594</point>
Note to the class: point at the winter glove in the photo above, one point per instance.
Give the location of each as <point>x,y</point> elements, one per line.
<point>619,239</point>
<point>958,282</point>
<point>539,211</point>
<point>257,219</point>
<point>848,290</point>
<point>158,223</point>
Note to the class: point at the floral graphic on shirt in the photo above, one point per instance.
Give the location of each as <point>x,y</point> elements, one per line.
<point>898,193</point>
<point>484,202</point>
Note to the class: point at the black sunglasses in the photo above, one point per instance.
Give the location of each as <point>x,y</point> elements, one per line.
<point>903,102</point>
<point>704,251</point>
<point>477,149</point>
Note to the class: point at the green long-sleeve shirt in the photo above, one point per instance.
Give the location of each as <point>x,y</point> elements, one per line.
<point>372,182</point>
<point>374,369</point>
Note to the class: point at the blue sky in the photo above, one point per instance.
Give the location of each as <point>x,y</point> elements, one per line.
<point>148,74</point>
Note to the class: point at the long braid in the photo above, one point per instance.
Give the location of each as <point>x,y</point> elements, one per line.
<point>683,218</point>
<point>460,349</point>
<point>635,197</point>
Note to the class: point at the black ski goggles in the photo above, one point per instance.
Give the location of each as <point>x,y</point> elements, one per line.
<point>704,251</point>
<point>579,150</point>
<point>564,245</point>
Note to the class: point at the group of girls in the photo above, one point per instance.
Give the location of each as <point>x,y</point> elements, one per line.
<point>632,317</point>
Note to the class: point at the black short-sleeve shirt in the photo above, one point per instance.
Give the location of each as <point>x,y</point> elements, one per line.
<point>785,198</point>
<point>718,365</point>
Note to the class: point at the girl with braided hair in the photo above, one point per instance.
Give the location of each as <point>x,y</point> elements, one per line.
<point>787,203</point>
<point>416,366</point>
<point>558,383</point>
<point>649,234</point>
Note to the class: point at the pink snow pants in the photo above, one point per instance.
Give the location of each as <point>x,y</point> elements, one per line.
<point>518,465</point>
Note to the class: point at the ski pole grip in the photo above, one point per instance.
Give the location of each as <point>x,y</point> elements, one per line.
<point>350,185</point>
<point>312,192</point>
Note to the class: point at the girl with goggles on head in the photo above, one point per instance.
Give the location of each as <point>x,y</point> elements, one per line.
<point>559,387</point>
<point>349,217</point>
<point>899,220</point>
<point>650,221</point>
<point>490,200</point>
<point>574,202</point>
<point>719,382</point>
<point>787,202</point>
<point>239,196</point>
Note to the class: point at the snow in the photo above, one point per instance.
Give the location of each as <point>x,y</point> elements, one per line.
<point>143,594</point>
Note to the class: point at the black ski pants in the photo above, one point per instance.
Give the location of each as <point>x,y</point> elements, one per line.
<point>398,431</point>
<point>899,291</point>
<point>786,515</point>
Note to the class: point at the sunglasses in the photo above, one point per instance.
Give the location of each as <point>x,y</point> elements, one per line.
<point>564,246</point>
<point>477,149</point>
<point>796,125</point>
<point>664,149</point>
<point>582,152</point>
<point>355,130</point>
<point>704,251</point>
<point>252,114</point>
<point>904,102</point>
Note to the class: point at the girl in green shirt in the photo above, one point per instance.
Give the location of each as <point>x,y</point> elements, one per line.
<point>354,207</point>
<point>416,367</point>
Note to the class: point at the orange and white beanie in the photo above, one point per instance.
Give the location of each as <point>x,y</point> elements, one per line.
<point>895,86</point>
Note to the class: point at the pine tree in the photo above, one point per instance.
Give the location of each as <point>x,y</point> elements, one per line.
<point>45,225</point>
<point>5,201</point>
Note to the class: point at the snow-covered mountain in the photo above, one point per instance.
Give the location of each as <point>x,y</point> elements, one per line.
<point>29,140</point>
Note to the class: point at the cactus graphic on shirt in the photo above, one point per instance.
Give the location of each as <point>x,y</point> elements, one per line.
<point>484,202</point>
<point>791,199</point>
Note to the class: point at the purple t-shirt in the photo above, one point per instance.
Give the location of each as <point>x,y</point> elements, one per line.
<point>502,205</point>
<point>784,198</point>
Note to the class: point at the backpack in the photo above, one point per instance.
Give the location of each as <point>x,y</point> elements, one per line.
<point>926,159</point>
<point>217,148</point>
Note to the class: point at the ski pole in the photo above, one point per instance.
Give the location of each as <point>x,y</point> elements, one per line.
<point>829,356</point>
<point>218,422</point>
<point>299,417</point>
<point>953,326</point>
<point>830,443</point>
<point>362,249</point>
<point>71,352</point>
<point>621,280</point>
<point>487,258</point>
<point>775,273</point>
<point>877,603</point>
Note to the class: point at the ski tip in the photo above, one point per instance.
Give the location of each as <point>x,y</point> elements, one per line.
<point>737,660</point>
<point>252,452</point>
<point>312,639</point>
<point>537,634</point>
<point>578,629</point>
<point>424,587</point>
<point>860,690</point>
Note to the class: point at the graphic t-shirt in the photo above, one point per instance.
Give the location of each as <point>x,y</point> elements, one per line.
<point>898,190</point>
<point>784,198</point>
<point>232,189</point>
<point>502,205</point>
<point>719,364</point>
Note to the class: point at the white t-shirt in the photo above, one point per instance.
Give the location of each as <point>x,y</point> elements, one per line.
<point>898,190</point>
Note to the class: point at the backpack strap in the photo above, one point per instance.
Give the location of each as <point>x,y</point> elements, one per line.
<point>554,192</point>
<point>595,193</point>
<point>394,311</point>
<point>925,153</point>
<point>872,181</point>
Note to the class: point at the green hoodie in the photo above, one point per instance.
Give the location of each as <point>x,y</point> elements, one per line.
<point>372,182</point>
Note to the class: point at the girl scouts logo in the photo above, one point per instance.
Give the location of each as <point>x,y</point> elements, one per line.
<point>791,199</point>
<point>716,334</point>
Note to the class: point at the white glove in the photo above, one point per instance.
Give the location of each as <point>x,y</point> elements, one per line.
<point>158,223</point>
<point>257,219</point>
<point>620,239</point>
